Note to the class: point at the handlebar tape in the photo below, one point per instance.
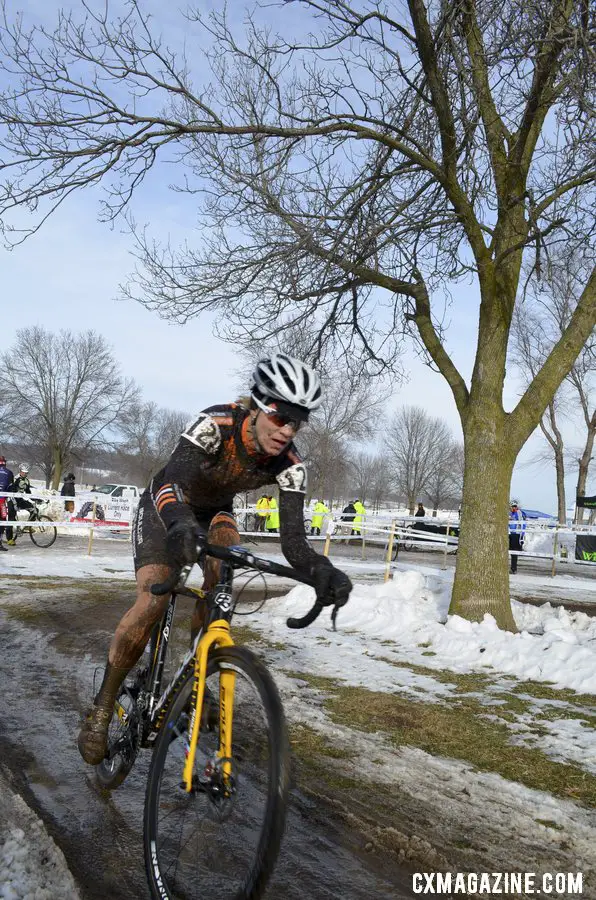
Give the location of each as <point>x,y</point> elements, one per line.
<point>307,619</point>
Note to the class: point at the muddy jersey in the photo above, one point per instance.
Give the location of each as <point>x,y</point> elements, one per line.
<point>214,460</point>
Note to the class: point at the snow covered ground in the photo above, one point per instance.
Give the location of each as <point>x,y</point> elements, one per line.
<point>403,621</point>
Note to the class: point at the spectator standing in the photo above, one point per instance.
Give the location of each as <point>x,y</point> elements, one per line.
<point>317,519</point>
<point>517,529</point>
<point>6,486</point>
<point>262,512</point>
<point>420,512</point>
<point>358,522</point>
<point>68,490</point>
<point>273,517</point>
<point>347,516</point>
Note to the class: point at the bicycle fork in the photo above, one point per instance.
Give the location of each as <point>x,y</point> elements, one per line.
<point>218,634</point>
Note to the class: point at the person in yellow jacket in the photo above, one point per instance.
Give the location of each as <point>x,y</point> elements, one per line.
<point>359,517</point>
<point>262,512</point>
<point>317,517</point>
<point>273,517</point>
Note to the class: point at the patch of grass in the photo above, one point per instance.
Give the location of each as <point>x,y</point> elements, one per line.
<point>544,691</point>
<point>428,653</point>
<point>244,634</point>
<point>462,682</point>
<point>309,744</point>
<point>24,613</point>
<point>458,730</point>
<point>549,824</point>
<point>319,682</point>
<point>41,583</point>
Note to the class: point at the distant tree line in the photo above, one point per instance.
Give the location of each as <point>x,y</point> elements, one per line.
<point>64,404</point>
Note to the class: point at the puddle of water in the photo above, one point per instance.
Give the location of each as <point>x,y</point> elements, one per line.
<point>100,834</point>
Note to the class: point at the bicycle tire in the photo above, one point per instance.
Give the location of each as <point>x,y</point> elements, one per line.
<point>43,537</point>
<point>175,870</point>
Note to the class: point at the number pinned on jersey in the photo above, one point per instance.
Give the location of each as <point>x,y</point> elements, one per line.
<point>204,433</point>
<point>293,478</point>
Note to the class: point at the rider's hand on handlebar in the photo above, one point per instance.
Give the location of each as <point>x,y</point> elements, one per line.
<point>181,543</point>
<point>332,586</point>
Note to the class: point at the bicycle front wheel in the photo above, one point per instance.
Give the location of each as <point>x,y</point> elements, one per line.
<point>44,535</point>
<point>221,839</point>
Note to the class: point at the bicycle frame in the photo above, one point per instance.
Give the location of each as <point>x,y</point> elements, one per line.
<point>216,634</point>
<point>220,608</point>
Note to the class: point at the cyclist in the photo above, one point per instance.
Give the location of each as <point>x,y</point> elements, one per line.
<point>6,482</point>
<point>21,485</point>
<point>226,449</point>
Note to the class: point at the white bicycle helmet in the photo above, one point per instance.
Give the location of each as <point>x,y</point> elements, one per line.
<point>24,468</point>
<point>290,380</point>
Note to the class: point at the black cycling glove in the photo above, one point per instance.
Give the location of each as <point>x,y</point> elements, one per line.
<point>181,542</point>
<point>332,586</point>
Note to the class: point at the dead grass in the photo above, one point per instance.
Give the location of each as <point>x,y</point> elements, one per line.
<point>459,729</point>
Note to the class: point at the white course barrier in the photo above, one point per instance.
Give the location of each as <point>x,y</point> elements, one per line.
<point>393,534</point>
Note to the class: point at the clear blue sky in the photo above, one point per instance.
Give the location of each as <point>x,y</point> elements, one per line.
<point>68,276</point>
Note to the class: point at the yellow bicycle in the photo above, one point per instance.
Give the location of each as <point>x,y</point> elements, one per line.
<point>217,790</point>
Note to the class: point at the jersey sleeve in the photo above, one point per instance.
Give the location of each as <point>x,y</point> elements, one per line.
<point>294,544</point>
<point>204,433</point>
<point>292,477</point>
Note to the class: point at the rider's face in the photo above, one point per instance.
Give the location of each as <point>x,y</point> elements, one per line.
<point>272,438</point>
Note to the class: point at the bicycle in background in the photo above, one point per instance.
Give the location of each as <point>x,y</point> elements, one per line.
<point>41,535</point>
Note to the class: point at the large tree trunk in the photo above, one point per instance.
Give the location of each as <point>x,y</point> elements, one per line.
<point>561,502</point>
<point>482,574</point>
<point>56,467</point>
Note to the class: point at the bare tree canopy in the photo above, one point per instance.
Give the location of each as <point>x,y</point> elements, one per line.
<point>61,391</point>
<point>417,446</point>
<point>392,148</point>
<point>538,324</point>
<point>149,434</point>
<point>352,410</point>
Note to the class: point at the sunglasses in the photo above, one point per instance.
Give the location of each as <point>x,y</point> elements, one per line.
<point>280,421</point>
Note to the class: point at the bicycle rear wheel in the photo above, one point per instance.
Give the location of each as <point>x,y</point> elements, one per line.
<point>45,535</point>
<point>220,840</point>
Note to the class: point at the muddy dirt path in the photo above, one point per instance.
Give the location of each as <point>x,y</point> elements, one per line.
<point>53,638</point>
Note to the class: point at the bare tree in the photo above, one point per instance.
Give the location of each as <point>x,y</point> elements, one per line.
<point>362,474</point>
<point>370,477</point>
<point>443,487</point>
<point>389,149</point>
<point>149,434</point>
<point>60,393</point>
<point>416,443</point>
<point>351,410</point>
<point>537,326</point>
<point>533,337</point>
